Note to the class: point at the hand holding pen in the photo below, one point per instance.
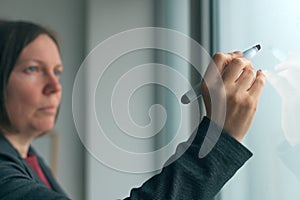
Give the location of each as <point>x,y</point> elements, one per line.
<point>238,86</point>
<point>195,92</point>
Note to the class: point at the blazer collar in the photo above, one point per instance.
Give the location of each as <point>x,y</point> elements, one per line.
<point>6,148</point>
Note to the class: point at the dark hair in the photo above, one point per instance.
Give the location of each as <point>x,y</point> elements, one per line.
<point>14,37</point>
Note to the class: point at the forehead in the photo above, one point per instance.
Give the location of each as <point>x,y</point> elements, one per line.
<point>41,48</point>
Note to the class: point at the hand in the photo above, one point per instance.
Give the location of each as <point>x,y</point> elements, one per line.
<point>230,79</point>
<point>286,81</point>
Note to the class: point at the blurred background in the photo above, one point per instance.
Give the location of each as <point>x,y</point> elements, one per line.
<point>218,26</point>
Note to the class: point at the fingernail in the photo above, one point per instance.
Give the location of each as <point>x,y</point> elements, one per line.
<point>265,72</point>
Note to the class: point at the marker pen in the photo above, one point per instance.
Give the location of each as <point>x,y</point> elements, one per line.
<point>195,92</point>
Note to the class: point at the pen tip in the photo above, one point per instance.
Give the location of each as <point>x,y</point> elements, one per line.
<point>185,99</point>
<point>258,47</point>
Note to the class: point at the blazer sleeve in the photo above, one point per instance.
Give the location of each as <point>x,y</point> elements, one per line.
<point>191,177</point>
<point>15,185</point>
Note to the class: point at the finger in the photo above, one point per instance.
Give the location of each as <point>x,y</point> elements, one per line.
<point>246,78</point>
<point>233,70</point>
<point>258,84</point>
<point>216,66</point>
<point>222,59</point>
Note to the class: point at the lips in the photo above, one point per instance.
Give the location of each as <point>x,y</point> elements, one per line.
<point>49,109</point>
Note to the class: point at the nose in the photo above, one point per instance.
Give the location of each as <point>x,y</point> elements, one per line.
<point>52,85</point>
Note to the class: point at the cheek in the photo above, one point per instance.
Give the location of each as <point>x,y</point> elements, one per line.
<point>21,99</point>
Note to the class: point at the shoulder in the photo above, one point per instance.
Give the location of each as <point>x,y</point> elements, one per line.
<point>10,167</point>
<point>9,157</point>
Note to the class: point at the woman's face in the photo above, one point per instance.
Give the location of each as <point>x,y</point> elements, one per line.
<point>33,92</point>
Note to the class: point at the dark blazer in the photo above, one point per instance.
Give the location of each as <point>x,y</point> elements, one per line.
<point>19,181</point>
<point>187,178</point>
<point>194,178</point>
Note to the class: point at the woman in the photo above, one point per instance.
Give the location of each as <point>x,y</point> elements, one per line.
<point>30,95</point>
<point>30,68</point>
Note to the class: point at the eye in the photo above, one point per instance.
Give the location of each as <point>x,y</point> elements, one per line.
<point>31,69</point>
<point>57,72</point>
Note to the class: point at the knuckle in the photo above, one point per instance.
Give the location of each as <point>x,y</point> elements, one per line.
<point>249,72</point>
<point>243,63</point>
<point>219,56</point>
<point>238,61</point>
<point>236,99</point>
<point>250,103</point>
<point>248,63</point>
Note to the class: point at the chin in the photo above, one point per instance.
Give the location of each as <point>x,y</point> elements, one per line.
<point>44,127</point>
